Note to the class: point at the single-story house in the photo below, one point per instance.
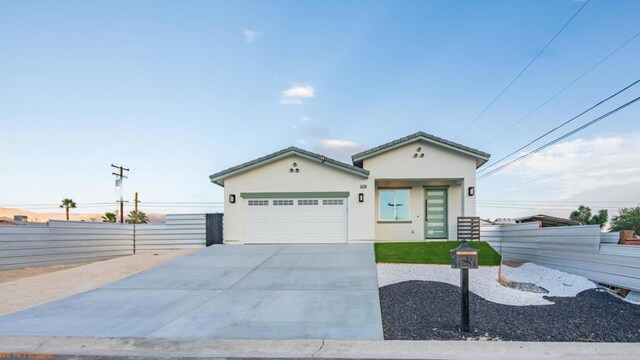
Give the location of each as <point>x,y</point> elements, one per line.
<point>410,189</point>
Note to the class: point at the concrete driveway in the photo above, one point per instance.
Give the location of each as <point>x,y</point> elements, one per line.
<point>250,292</point>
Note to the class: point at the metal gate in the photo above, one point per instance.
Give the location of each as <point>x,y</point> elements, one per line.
<point>214,228</point>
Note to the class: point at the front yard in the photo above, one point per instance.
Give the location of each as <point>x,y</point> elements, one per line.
<point>436,252</point>
<point>420,299</point>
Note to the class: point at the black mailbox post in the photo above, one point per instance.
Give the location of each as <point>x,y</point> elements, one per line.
<point>464,257</point>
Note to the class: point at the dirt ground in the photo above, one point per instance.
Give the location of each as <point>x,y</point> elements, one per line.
<point>35,286</point>
<point>11,275</point>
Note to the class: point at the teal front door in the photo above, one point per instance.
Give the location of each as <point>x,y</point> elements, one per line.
<point>435,213</point>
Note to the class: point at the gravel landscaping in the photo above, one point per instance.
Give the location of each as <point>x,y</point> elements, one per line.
<point>484,281</point>
<point>429,310</point>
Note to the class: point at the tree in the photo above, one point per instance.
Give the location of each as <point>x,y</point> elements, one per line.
<point>141,217</point>
<point>109,217</point>
<point>68,204</point>
<point>584,217</point>
<point>600,219</point>
<point>627,219</point>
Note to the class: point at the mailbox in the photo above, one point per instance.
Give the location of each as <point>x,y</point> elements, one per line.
<point>464,257</point>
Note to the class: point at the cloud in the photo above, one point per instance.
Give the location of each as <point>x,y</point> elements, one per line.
<point>310,130</point>
<point>296,94</point>
<point>582,165</point>
<point>320,140</point>
<point>340,149</point>
<point>338,144</point>
<point>250,36</point>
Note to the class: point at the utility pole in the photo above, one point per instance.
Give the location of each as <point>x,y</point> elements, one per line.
<point>135,219</point>
<point>119,182</point>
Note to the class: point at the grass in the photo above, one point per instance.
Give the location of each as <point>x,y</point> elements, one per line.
<point>437,252</point>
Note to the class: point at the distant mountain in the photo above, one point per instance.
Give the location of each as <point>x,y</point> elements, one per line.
<point>46,216</point>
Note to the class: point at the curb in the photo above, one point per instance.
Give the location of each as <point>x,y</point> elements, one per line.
<point>334,349</point>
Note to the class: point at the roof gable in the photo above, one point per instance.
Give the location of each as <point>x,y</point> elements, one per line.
<point>219,177</point>
<point>481,157</point>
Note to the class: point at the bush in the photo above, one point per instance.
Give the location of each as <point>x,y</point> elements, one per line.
<point>627,219</point>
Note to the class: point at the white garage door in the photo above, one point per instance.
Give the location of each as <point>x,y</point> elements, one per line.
<point>307,220</point>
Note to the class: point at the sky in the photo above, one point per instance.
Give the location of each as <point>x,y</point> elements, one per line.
<point>178,90</point>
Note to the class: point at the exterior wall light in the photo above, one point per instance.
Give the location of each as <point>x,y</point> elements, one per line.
<point>471,191</point>
<point>361,197</point>
<point>232,198</point>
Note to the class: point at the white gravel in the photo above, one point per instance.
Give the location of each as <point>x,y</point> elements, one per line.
<point>484,281</point>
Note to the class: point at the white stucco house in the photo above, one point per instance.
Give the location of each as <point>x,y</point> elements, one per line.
<point>410,189</point>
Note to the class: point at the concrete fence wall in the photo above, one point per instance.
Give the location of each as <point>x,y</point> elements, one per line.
<point>581,250</point>
<point>66,242</point>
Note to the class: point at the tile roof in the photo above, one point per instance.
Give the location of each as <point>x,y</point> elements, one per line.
<point>292,149</point>
<point>419,134</point>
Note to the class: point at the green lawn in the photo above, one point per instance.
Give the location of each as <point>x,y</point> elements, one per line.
<point>436,252</point>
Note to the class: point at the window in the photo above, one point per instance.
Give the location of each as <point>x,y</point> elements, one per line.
<point>258,202</point>
<point>307,202</point>
<point>282,202</point>
<point>332,202</point>
<point>394,204</point>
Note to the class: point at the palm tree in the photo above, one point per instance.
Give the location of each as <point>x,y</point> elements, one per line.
<point>109,217</point>
<point>140,218</point>
<point>68,204</point>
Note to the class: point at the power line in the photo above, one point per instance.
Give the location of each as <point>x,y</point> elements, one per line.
<point>548,205</point>
<point>50,206</point>
<point>560,138</point>
<point>179,202</point>
<point>563,124</point>
<point>183,206</point>
<point>562,90</point>
<point>522,71</point>
<point>541,202</point>
<point>115,202</point>
<point>541,207</point>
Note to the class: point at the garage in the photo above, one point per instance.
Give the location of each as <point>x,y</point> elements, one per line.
<point>296,220</point>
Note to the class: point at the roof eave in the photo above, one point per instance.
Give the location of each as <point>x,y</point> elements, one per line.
<point>480,162</point>
<point>219,179</point>
<point>362,156</point>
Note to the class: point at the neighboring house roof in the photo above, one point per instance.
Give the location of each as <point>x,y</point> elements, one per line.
<point>482,157</point>
<point>219,177</point>
<point>547,220</point>
<point>7,221</point>
<point>486,222</point>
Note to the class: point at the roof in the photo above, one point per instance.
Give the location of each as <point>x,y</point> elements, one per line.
<point>547,220</point>
<point>7,221</point>
<point>219,177</point>
<point>482,156</point>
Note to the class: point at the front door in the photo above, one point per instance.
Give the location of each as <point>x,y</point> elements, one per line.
<point>435,214</point>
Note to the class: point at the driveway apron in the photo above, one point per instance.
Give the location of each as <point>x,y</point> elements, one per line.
<point>224,291</point>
